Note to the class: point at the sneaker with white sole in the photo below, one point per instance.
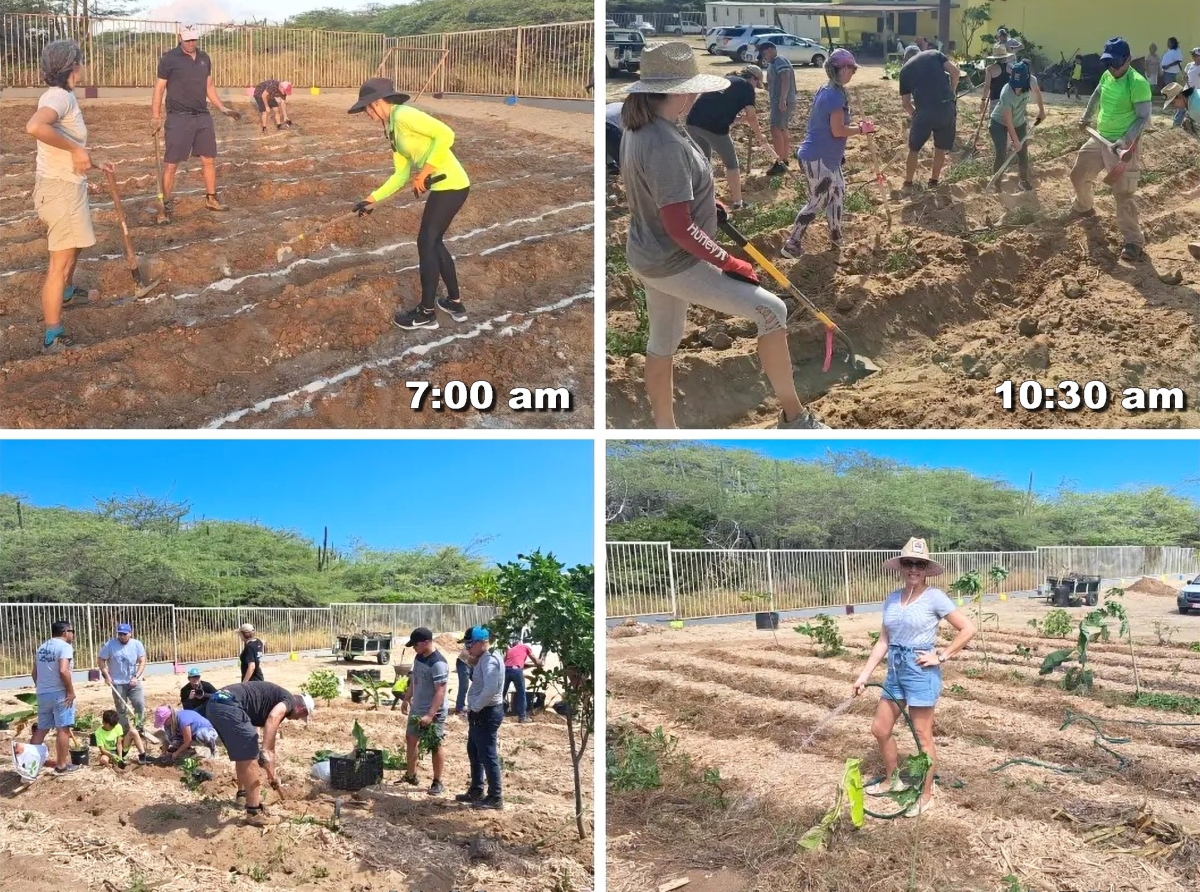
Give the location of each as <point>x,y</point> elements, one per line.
<point>416,318</point>
<point>920,807</point>
<point>790,250</point>
<point>805,421</point>
<point>452,308</point>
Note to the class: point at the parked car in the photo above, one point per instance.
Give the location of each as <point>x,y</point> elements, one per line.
<point>713,36</point>
<point>683,26</point>
<point>797,50</point>
<point>735,43</point>
<point>646,28</point>
<point>623,50</point>
<point>1189,597</point>
<point>609,23</point>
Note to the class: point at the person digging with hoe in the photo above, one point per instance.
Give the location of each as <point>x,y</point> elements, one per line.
<point>236,712</point>
<point>122,662</point>
<point>425,704</point>
<point>673,216</point>
<point>420,143</point>
<point>928,84</point>
<point>60,185</point>
<point>1122,100</point>
<point>1009,119</point>
<point>908,641</point>
<point>185,77</point>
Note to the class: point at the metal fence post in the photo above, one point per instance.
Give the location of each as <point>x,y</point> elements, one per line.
<point>770,580</point>
<point>671,582</point>
<point>517,70</point>
<point>174,639</point>
<point>846,573</point>
<point>91,638</point>
<point>291,634</point>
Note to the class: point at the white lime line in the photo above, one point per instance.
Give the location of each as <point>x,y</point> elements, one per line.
<point>416,350</point>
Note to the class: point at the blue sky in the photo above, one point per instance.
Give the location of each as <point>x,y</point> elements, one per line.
<point>1085,464</point>
<point>391,494</point>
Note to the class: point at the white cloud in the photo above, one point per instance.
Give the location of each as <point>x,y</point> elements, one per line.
<point>219,11</point>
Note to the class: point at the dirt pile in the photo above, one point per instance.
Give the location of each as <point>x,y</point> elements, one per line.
<point>1148,585</point>
<point>231,338</point>
<point>968,289</point>
<point>631,628</point>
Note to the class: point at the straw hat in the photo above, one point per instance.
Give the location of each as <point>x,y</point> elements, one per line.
<point>670,67</point>
<point>915,549</point>
<point>1171,91</point>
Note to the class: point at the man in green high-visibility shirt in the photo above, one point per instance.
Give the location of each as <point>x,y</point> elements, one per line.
<point>1123,100</point>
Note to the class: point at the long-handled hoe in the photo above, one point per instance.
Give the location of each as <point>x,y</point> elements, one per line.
<point>143,287</point>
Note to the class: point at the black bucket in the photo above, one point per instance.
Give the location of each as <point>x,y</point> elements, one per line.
<point>357,695</point>
<point>80,757</point>
<point>766,620</point>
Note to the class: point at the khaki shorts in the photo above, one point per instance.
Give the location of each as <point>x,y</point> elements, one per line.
<point>63,207</point>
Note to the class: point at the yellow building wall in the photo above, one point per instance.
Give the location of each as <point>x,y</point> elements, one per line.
<point>1065,26</point>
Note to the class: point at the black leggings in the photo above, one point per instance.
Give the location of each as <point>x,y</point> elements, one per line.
<point>433,257</point>
<point>612,143</point>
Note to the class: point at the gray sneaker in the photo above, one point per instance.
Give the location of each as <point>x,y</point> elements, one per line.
<point>805,421</point>
<point>67,769</point>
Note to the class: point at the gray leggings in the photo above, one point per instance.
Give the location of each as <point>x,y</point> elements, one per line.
<point>667,301</point>
<point>721,143</point>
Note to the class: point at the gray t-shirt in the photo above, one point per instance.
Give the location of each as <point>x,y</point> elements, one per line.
<point>122,658</point>
<point>916,625</point>
<point>56,164</point>
<point>427,673</point>
<point>49,683</point>
<point>612,114</point>
<point>661,166</point>
<point>1016,103</point>
<point>775,79</point>
<point>925,79</point>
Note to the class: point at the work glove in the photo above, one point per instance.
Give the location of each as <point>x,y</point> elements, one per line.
<point>364,207</point>
<point>867,126</point>
<point>722,214</point>
<point>739,269</point>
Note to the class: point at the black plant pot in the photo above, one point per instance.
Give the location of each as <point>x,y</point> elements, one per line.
<point>80,757</point>
<point>357,696</point>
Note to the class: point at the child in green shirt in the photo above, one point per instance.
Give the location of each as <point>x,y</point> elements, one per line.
<point>113,745</point>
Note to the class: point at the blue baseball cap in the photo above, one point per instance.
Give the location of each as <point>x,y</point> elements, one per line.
<point>476,633</point>
<point>194,672</point>
<point>1019,76</point>
<point>1116,49</point>
<point>124,629</point>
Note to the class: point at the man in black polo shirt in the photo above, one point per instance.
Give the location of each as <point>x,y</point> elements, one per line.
<point>713,116</point>
<point>185,76</point>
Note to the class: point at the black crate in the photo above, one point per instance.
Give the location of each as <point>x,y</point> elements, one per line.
<point>353,674</point>
<point>354,773</point>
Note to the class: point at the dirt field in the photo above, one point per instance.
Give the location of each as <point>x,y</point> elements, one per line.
<point>97,825</point>
<point>230,338</point>
<point>741,704</point>
<point>968,288</point>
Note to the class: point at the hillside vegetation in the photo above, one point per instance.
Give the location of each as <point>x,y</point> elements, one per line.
<point>435,16</point>
<point>703,496</point>
<point>138,550</point>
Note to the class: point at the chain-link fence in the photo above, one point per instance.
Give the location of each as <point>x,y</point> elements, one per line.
<point>652,578</point>
<point>199,634</point>
<point>543,61</point>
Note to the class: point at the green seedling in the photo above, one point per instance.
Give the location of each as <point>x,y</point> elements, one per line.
<point>427,737</point>
<point>824,631</point>
<point>321,685</point>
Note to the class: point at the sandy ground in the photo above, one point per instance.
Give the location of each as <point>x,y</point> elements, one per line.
<point>100,824</point>
<point>965,290</point>
<point>744,704</point>
<point>232,338</point>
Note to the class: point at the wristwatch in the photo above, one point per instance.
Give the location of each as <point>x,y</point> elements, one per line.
<point>941,657</point>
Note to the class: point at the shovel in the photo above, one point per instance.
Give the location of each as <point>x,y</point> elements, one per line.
<point>285,250</point>
<point>1117,169</point>
<point>143,287</point>
<point>860,366</point>
<point>162,206</point>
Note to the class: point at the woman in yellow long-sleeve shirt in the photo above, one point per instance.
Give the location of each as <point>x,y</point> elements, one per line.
<point>422,143</point>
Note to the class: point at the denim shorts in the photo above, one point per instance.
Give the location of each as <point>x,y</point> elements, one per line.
<point>907,681</point>
<point>52,714</point>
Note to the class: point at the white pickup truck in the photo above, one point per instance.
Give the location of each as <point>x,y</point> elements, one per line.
<point>623,50</point>
<point>680,25</point>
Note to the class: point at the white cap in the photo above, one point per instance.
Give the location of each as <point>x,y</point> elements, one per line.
<point>189,32</point>
<point>246,627</point>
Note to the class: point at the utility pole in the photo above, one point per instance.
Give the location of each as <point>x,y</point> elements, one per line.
<point>944,24</point>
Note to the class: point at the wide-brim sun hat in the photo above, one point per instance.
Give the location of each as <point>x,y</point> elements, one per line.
<point>670,67</point>
<point>1171,92</point>
<point>916,550</point>
<point>377,88</point>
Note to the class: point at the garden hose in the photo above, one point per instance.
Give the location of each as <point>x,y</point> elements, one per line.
<point>919,782</point>
<point>1070,718</point>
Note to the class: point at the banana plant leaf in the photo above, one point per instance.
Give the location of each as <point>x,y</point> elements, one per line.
<point>28,699</point>
<point>18,716</point>
<point>850,792</point>
<point>1054,659</point>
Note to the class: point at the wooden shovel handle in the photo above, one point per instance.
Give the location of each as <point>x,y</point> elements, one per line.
<point>130,257</point>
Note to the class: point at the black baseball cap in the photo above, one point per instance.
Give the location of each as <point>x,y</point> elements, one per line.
<point>418,635</point>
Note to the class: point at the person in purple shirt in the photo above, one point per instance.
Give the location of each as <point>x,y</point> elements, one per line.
<point>822,152</point>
